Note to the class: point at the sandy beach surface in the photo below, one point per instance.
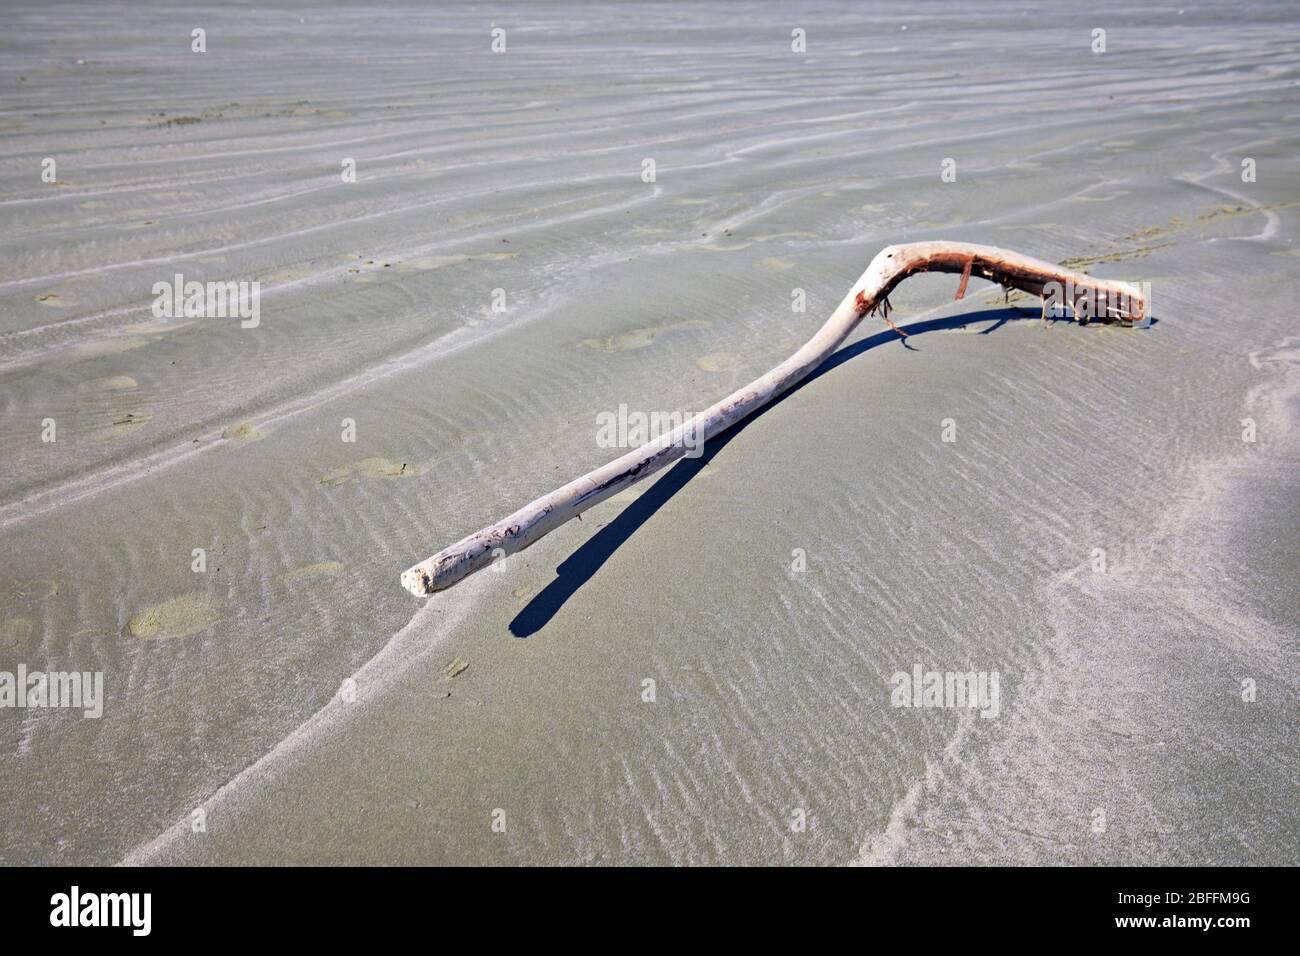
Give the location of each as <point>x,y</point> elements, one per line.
<point>700,670</point>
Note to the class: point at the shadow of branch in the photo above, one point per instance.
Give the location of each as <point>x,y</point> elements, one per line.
<point>578,568</point>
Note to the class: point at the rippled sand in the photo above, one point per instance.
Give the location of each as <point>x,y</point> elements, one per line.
<point>498,275</point>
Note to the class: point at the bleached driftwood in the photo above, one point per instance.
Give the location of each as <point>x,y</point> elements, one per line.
<point>1088,296</point>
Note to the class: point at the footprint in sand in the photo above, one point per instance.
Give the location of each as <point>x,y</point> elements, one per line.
<point>180,617</point>
<point>370,468</point>
<point>639,338</point>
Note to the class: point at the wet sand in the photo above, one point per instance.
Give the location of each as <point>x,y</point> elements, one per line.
<point>500,274</point>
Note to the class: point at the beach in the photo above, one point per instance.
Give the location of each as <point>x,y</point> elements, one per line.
<point>468,247</point>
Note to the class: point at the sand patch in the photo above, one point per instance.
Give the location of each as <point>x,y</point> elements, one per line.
<point>469,219</point>
<point>1009,297</point>
<point>427,263</point>
<point>640,338</point>
<point>16,633</point>
<point>717,362</point>
<point>55,300</point>
<point>38,588</point>
<point>84,351</point>
<point>317,111</point>
<point>180,617</point>
<point>288,275</point>
<point>157,328</point>
<point>118,383</point>
<point>773,264</point>
<point>242,433</point>
<point>124,425</point>
<point>371,468</point>
<point>1212,216</point>
<point>321,569</point>
<point>1082,263</point>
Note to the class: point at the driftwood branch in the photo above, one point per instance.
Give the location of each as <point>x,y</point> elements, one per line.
<point>1089,297</point>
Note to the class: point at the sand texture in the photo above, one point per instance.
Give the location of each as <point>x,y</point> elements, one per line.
<point>698,671</point>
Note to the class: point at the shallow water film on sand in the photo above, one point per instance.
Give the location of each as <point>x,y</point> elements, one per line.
<point>293,296</point>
